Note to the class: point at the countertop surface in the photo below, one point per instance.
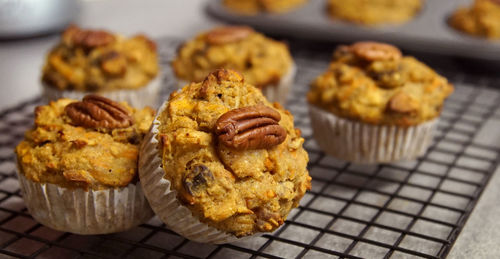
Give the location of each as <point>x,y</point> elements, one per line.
<point>20,63</point>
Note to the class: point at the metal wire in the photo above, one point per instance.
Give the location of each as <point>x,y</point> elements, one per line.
<point>395,210</point>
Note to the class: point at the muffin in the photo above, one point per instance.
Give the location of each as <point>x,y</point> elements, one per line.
<point>374,12</point>
<point>374,105</point>
<point>96,61</point>
<point>221,162</point>
<point>77,167</point>
<point>252,7</point>
<point>482,19</point>
<point>264,62</point>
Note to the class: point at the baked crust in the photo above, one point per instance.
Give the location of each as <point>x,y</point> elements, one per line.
<point>237,191</point>
<point>481,19</point>
<point>59,152</point>
<point>261,60</point>
<point>96,60</point>
<point>389,91</point>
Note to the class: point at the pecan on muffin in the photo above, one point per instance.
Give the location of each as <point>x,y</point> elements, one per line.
<point>264,62</point>
<point>221,162</point>
<point>97,61</point>
<point>374,12</point>
<point>78,166</point>
<point>252,7</point>
<point>481,19</point>
<point>375,105</point>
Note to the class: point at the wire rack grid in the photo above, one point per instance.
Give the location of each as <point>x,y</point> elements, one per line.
<point>410,209</point>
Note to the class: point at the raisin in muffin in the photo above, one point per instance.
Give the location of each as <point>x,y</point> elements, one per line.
<point>97,61</point>
<point>252,7</point>
<point>481,19</point>
<point>222,162</point>
<point>374,12</point>
<point>375,105</point>
<point>264,62</point>
<point>78,165</point>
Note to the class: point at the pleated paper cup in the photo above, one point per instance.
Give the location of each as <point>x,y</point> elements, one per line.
<point>85,212</point>
<point>360,142</point>
<point>139,98</point>
<point>164,200</point>
<point>273,93</point>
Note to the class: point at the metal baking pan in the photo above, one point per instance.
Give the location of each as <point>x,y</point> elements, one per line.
<point>427,32</point>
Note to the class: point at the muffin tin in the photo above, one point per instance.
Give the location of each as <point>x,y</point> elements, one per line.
<point>429,31</point>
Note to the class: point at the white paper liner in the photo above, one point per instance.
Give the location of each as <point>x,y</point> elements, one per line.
<point>85,212</point>
<point>164,200</point>
<point>273,93</point>
<point>366,143</point>
<point>144,96</point>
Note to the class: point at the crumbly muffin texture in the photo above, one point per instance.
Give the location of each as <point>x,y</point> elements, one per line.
<point>374,12</point>
<point>96,60</point>
<point>373,83</point>
<point>261,60</point>
<point>481,19</point>
<point>251,7</point>
<point>58,152</point>
<point>236,191</point>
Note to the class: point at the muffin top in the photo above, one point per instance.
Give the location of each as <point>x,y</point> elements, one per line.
<point>261,60</point>
<point>89,144</point>
<point>372,82</point>
<point>373,12</point>
<point>96,60</point>
<point>481,19</point>
<point>235,159</point>
<point>251,7</point>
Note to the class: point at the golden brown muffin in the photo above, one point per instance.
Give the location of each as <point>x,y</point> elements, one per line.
<point>90,144</point>
<point>251,7</point>
<point>374,12</point>
<point>236,160</point>
<point>373,83</point>
<point>96,60</point>
<point>481,19</point>
<point>261,60</point>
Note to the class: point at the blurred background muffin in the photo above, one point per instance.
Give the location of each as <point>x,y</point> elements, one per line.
<point>264,62</point>
<point>78,166</point>
<point>97,61</point>
<point>374,12</point>
<point>374,105</point>
<point>481,19</point>
<point>227,162</point>
<point>250,7</point>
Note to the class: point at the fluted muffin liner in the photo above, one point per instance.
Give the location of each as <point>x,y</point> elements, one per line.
<point>164,200</point>
<point>139,98</point>
<point>86,212</point>
<point>366,143</point>
<point>273,93</point>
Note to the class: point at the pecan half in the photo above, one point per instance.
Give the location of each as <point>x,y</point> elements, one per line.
<point>87,39</point>
<point>228,34</point>
<point>402,103</point>
<point>252,127</point>
<point>374,51</point>
<point>98,112</point>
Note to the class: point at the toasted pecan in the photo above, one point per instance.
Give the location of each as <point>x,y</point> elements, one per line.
<point>88,39</point>
<point>374,51</point>
<point>228,34</point>
<point>252,127</point>
<point>98,112</point>
<point>402,103</point>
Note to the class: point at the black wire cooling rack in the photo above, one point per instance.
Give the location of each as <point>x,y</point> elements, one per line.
<point>401,210</point>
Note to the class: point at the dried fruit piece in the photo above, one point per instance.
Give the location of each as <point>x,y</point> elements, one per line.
<point>98,112</point>
<point>253,127</point>
<point>195,181</point>
<point>373,51</point>
<point>228,34</point>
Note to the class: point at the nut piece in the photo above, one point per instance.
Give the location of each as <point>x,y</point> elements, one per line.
<point>402,103</point>
<point>252,127</point>
<point>228,34</point>
<point>87,39</point>
<point>374,51</point>
<point>98,112</point>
